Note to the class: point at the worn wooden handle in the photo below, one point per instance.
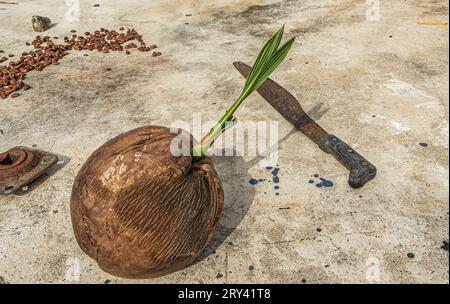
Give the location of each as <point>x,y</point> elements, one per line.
<point>361,170</point>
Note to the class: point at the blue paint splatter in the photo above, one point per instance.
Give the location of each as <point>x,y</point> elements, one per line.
<point>275,178</point>
<point>253,181</point>
<point>275,171</point>
<point>322,183</point>
<point>423,144</point>
<point>445,246</point>
<point>326,183</point>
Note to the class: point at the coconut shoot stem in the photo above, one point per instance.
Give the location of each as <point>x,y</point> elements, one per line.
<point>267,61</point>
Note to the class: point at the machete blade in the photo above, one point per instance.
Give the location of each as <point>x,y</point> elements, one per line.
<point>287,105</point>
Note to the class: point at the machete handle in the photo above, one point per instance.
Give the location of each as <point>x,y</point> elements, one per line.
<point>361,170</point>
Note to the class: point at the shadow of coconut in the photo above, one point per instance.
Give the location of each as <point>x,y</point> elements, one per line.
<point>239,195</point>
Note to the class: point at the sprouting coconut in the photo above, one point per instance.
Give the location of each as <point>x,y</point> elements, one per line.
<point>140,210</point>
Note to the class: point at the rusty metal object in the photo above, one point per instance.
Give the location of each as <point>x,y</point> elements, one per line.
<point>361,170</point>
<point>19,166</point>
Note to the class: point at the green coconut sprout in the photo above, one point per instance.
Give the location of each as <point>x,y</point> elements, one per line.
<point>267,61</point>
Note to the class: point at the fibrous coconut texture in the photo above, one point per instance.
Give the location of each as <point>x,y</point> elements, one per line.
<point>142,212</point>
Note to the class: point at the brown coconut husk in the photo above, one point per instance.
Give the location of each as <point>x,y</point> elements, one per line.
<point>141,212</point>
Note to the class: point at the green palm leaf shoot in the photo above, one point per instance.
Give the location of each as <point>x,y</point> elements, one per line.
<point>267,61</point>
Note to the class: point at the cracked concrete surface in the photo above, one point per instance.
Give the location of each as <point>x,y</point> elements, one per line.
<point>381,86</point>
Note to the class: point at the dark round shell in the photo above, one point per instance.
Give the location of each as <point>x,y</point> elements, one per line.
<point>141,212</point>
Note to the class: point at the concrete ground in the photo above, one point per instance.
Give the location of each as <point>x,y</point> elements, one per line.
<point>381,86</point>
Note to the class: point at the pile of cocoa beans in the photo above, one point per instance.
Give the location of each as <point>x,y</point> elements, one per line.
<point>46,52</point>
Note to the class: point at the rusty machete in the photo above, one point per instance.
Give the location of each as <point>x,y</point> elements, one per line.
<point>361,170</point>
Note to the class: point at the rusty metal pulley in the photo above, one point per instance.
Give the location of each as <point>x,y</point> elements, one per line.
<point>19,166</point>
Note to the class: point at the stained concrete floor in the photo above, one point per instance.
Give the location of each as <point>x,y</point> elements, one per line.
<point>382,86</point>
